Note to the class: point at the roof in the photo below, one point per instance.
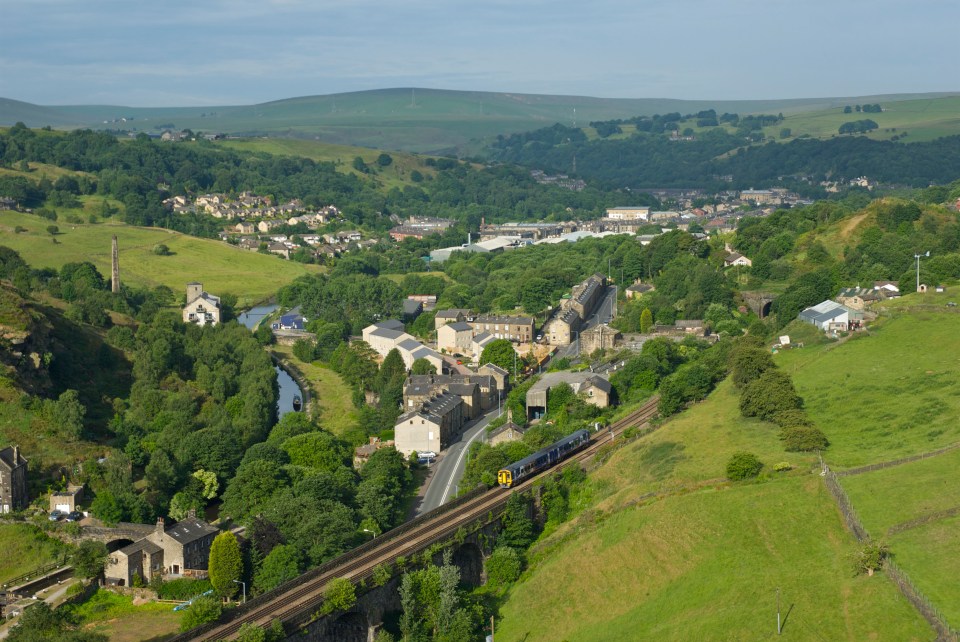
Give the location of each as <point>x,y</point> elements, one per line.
<point>494,318</point>
<point>144,545</point>
<point>389,334</point>
<point>6,456</point>
<point>494,367</point>
<point>452,313</point>
<point>576,380</point>
<point>190,529</point>
<point>504,428</point>
<point>639,287</point>
<point>412,307</point>
<point>459,326</point>
<point>483,338</point>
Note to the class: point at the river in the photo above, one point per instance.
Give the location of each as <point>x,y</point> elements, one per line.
<point>288,387</point>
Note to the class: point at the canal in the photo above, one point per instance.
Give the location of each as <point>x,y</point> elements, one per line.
<point>288,387</point>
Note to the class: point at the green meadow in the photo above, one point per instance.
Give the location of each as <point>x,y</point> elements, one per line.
<point>222,268</point>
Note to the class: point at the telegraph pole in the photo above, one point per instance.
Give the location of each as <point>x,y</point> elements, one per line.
<point>778,610</point>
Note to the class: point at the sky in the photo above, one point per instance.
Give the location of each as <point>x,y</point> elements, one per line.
<point>237,52</point>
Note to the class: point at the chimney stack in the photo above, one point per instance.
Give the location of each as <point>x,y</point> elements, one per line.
<point>115,274</point>
<point>16,455</point>
<point>159,528</point>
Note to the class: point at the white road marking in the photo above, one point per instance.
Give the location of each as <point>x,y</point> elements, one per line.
<point>463,451</point>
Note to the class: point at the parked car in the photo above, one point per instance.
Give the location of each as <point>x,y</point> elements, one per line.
<point>426,461</point>
<point>74,516</point>
<point>55,515</point>
<point>429,454</point>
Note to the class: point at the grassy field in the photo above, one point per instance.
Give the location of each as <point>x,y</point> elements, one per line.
<point>928,554</point>
<point>337,412</point>
<point>120,620</point>
<point>885,498</point>
<point>693,448</point>
<point>222,268</point>
<point>397,174</point>
<point>706,566</point>
<point>887,394</point>
<point>24,548</point>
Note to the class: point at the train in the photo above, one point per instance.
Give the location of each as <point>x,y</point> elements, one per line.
<point>542,459</point>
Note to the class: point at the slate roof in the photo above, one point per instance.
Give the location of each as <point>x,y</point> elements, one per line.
<point>460,326</point>
<point>6,456</point>
<point>143,545</point>
<point>189,530</point>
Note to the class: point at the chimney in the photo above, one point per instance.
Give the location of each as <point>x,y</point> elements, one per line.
<point>159,528</point>
<point>115,273</point>
<point>192,513</point>
<point>16,455</point>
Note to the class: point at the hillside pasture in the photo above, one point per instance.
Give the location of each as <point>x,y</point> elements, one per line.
<point>222,268</point>
<point>689,567</point>
<point>928,554</point>
<point>891,496</point>
<point>890,393</point>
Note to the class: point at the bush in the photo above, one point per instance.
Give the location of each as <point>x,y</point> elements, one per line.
<point>782,467</point>
<point>204,609</point>
<point>183,589</point>
<point>870,557</point>
<point>161,250</point>
<point>503,566</point>
<point>803,439</point>
<point>743,465</point>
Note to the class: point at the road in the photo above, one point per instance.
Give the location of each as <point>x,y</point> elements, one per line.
<point>450,465</point>
<point>604,313</point>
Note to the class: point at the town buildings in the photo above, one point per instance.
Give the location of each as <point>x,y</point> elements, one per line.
<point>202,308</point>
<point>13,480</point>
<point>182,549</point>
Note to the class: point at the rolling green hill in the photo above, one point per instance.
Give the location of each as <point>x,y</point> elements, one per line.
<point>421,120</point>
<point>671,551</point>
<point>222,268</point>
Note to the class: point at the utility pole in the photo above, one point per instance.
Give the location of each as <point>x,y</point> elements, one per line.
<point>778,610</point>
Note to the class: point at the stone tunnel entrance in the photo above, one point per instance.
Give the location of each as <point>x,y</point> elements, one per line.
<point>117,544</point>
<point>349,627</point>
<point>469,559</point>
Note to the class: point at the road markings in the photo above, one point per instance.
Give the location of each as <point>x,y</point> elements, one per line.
<point>463,451</point>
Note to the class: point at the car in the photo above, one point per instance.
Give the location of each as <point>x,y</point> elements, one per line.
<point>74,516</point>
<point>426,461</point>
<point>55,515</point>
<point>429,454</point>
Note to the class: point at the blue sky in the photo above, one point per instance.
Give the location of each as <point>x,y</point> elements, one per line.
<point>226,52</point>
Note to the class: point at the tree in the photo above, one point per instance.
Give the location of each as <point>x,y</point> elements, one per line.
<point>281,564</point>
<point>53,230</point>
<point>40,623</point>
<point>421,367</point>
<point>748,363</point>
<point>503,566</point>
<point>769,394</point>
<point>870,558</point>
<point>646,320</point>
<point>359,165</point>
<point>518,529</point>
<point>500,353</point>
<point>226,564</point>
<point>384,160</point>
<point>160,472</point>
<point>204,609</point>
<point>803,439</point>
<point>161,250</point>
<point>89,559</point>
<point>743,465</point>
<point>338,595</point>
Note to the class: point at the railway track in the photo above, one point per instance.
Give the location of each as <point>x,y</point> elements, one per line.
<point>295,601</point>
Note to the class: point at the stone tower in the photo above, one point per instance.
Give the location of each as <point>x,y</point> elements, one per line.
<point>115,274</point>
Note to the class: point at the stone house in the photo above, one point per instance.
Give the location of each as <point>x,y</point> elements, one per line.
<point>432,427</point>
<point>13,480</point>
<point>182,549</point>
<point>600,336</point>
<point>455,338</point>
<point>518,329</point>
<point>68,500</point>
<point>453,315</point>
<point>202,307</point>
<point>593,388</point>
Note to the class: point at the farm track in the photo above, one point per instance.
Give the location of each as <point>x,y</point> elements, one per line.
<point>295,601</point>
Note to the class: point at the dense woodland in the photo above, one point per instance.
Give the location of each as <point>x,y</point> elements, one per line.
<point>653,159</point>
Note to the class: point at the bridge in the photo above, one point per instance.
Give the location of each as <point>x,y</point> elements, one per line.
<point>469,525</point>
<point>116,537</point>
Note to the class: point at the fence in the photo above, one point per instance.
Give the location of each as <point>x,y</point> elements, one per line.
<point>919,601</point>
<point>896,462</point>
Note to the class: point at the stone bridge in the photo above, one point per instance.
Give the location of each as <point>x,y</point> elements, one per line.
<point>118,536</point>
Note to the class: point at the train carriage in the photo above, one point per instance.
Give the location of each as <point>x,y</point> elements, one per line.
<point>542,459</point>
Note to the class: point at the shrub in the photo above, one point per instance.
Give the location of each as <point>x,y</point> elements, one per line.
<point>743,465</point>
<point>161,250</point>
<point>782,467</point>
<point>338,595</point>
<point>870,557</point>
<point>503,566</point>
<point>183,589</point>
<point>204,609</point>
<point>803,439</point>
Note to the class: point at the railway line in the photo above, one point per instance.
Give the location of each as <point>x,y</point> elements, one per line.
<point>295,601</point>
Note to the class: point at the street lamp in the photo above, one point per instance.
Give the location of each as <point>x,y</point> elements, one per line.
<point>372,533</point>
<point>917,256</point>
<point>244,585</point>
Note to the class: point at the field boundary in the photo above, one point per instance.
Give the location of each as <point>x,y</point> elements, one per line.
<point>897,575</point>
<point>895,462</point>
<point>923,520</point>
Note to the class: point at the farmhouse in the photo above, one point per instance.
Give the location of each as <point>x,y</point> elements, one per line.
<point>182,549</point>
<point>831,316</point>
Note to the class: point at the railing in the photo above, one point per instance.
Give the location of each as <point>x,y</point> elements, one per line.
<point>32,575</point>
<point>896,462</point>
